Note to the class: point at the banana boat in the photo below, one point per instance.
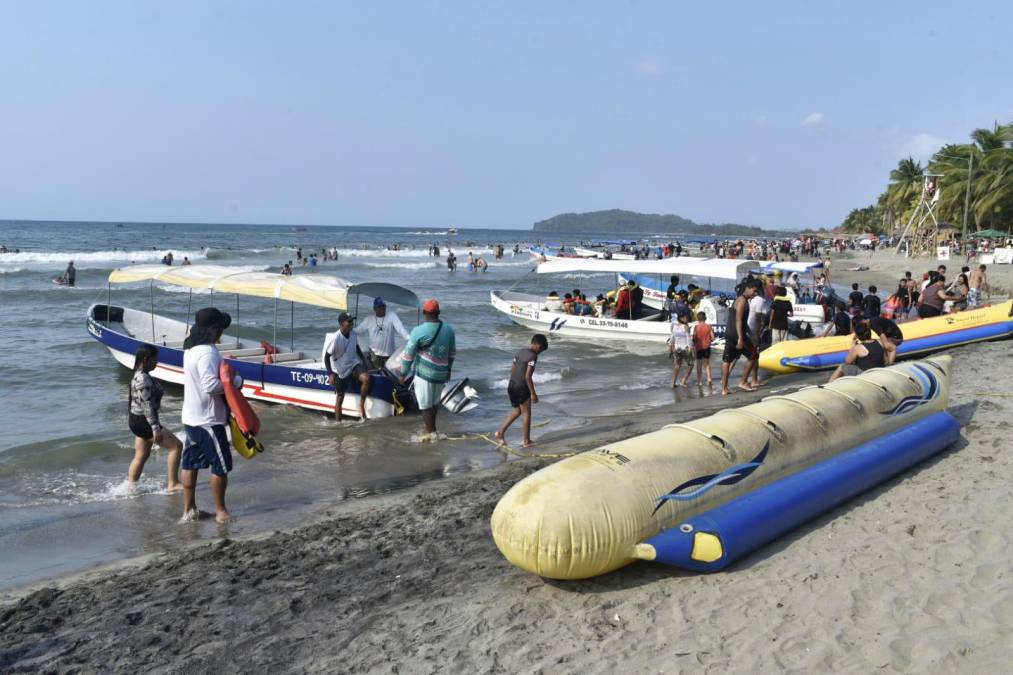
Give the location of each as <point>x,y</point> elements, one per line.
<point>586,515</point>
<point>920,337</point>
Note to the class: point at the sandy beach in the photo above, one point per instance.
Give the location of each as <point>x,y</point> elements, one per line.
<point>911,577</point>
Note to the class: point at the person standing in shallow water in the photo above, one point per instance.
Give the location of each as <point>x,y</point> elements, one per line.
<point>429,355</point>
<point>521,388</point>
<point>205,413</point>
<point>144,422</point>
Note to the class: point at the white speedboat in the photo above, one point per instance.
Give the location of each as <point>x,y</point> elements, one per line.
<point>270,372</point>
<point>532,310</point>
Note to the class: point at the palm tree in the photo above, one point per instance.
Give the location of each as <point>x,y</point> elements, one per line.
<point>905,186</point>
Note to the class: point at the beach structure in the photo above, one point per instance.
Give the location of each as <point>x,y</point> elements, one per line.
<point>920,337</point>
<point>590,514</point>
<point>921,233</point>
<point>271,373</point>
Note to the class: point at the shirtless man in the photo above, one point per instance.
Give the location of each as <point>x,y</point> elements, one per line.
<point>977,283</point>
<point>737,341</point>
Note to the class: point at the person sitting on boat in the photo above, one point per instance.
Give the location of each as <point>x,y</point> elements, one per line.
<point>553,303</point>
<point>600,305</point>
<point>343,360</point>
<point>866,352</point>
<point>581,306</point>
<point>624,307</point>
<point>671,292</point>
<point>381,330</point>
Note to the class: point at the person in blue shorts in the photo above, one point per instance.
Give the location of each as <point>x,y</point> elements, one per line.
<point>205,413</point>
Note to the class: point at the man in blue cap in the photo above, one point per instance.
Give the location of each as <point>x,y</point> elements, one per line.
<point>380,332</point>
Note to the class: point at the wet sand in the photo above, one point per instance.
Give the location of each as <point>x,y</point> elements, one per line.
<point>914,576</point>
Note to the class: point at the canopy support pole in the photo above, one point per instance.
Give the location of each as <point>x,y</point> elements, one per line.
<point>189,303</point>
<point>274,339</point>
<point>237,320</point>
<point>291,344</point>
<point>109,302</point>
<point>151,295</point>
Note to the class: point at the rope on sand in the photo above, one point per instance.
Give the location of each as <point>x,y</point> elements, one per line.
<point>506,448</point>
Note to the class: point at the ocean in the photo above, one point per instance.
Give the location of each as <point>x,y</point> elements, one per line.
<point>64,442</point>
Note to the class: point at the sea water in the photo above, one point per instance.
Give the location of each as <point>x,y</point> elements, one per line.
<point>64,442</point>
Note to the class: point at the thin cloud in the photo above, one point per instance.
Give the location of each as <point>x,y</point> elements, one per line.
<point>923,146</point>
<point>813,119</point>
<point>649,67</point>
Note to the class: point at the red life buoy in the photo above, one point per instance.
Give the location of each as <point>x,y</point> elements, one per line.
<point>248,421</point>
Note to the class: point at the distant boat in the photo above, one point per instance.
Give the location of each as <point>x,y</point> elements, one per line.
<point>452,230</point>
<point>298,229</point>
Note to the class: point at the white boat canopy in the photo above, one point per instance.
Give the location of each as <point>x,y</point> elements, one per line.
<point>788,266</point>
<point>713,268</point>
<point>319,290</point>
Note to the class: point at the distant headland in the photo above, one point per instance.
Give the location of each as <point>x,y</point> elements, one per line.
<point>620,221</point>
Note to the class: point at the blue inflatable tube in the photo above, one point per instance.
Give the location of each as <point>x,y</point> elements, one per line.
<point>712,540</point>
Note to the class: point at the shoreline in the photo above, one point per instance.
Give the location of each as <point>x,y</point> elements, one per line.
<point>912,575</point>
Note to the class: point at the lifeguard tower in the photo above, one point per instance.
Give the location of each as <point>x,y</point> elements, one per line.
<point>922,230</point>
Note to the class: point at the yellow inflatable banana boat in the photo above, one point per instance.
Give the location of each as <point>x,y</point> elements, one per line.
<point>585,515</point>
<point>920,337</point>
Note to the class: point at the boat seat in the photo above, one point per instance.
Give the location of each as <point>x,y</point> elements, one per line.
<point>288,357</point>
<point>300,362</point>
<point>174,344</point>
<point>244,354</point>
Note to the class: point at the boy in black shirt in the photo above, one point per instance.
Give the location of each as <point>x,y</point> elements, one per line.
<point>521,388</point>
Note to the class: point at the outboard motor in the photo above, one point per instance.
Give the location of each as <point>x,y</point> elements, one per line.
<point>459,396</point>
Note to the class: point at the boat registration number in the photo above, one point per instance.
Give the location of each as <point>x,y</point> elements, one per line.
<point>310,378</point>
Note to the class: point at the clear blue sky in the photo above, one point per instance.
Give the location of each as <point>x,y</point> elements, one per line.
<point>483,114</point>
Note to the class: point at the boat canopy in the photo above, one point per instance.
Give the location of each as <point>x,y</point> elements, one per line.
<point>320,290</point>
<point>713,268</point>
<point>789,266</point>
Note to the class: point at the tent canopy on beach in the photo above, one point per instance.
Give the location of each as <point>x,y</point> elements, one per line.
<point>990,234</point>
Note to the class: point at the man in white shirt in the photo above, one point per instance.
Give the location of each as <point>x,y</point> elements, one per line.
<point>343,360</point>
<point>381,331</point>
<point>205,413</point>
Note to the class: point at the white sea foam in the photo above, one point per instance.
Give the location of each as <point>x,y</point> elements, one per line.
<point>11,270</point>
<point>84,258</point>
<point>461,251</point>
<point>404,265</point>
<point>540,376</point>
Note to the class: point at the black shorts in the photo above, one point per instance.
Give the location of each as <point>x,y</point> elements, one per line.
<point>732,352</point>
<point>928,311</point>
<point>139,427</point>
<point>518,393</point>
<point>703,354</point>
<point>341,383</point>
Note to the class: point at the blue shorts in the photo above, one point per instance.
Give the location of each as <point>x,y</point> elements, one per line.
<point>427,393</point>
<point>207,447</point>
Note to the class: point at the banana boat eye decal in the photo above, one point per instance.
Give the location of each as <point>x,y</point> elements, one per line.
<point>729,476</point>
<point>930,390</point>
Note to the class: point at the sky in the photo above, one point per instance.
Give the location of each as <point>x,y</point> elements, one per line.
<point>483,114</point>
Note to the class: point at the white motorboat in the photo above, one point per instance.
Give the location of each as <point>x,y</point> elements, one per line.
<point>532,310</point>
<point>270,372</point>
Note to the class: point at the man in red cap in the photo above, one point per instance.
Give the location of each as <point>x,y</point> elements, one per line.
<point>429,355</point>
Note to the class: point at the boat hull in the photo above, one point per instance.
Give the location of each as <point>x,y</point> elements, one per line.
<point>272,383</point>
<point>527,311</point>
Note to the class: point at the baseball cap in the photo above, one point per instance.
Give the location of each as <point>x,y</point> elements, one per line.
<point>432,306</point>
<point>212,316</point>
<point>378,302</point>
<point>345,316</point>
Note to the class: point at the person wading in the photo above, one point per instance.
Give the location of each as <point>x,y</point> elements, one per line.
<point>429,355</point>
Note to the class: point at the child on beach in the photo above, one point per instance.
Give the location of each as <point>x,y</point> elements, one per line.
<point>703,336</point>
<point>521,388</point>
<point>680,348</point>
<point>145,402</point>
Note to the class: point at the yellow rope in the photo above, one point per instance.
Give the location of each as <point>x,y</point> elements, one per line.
<point>506,448</point>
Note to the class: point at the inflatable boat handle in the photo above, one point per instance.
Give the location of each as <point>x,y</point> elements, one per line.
<point>717,440</point>
<point>848,397</point>
<point>813,411</point>
<point>770,425</point>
